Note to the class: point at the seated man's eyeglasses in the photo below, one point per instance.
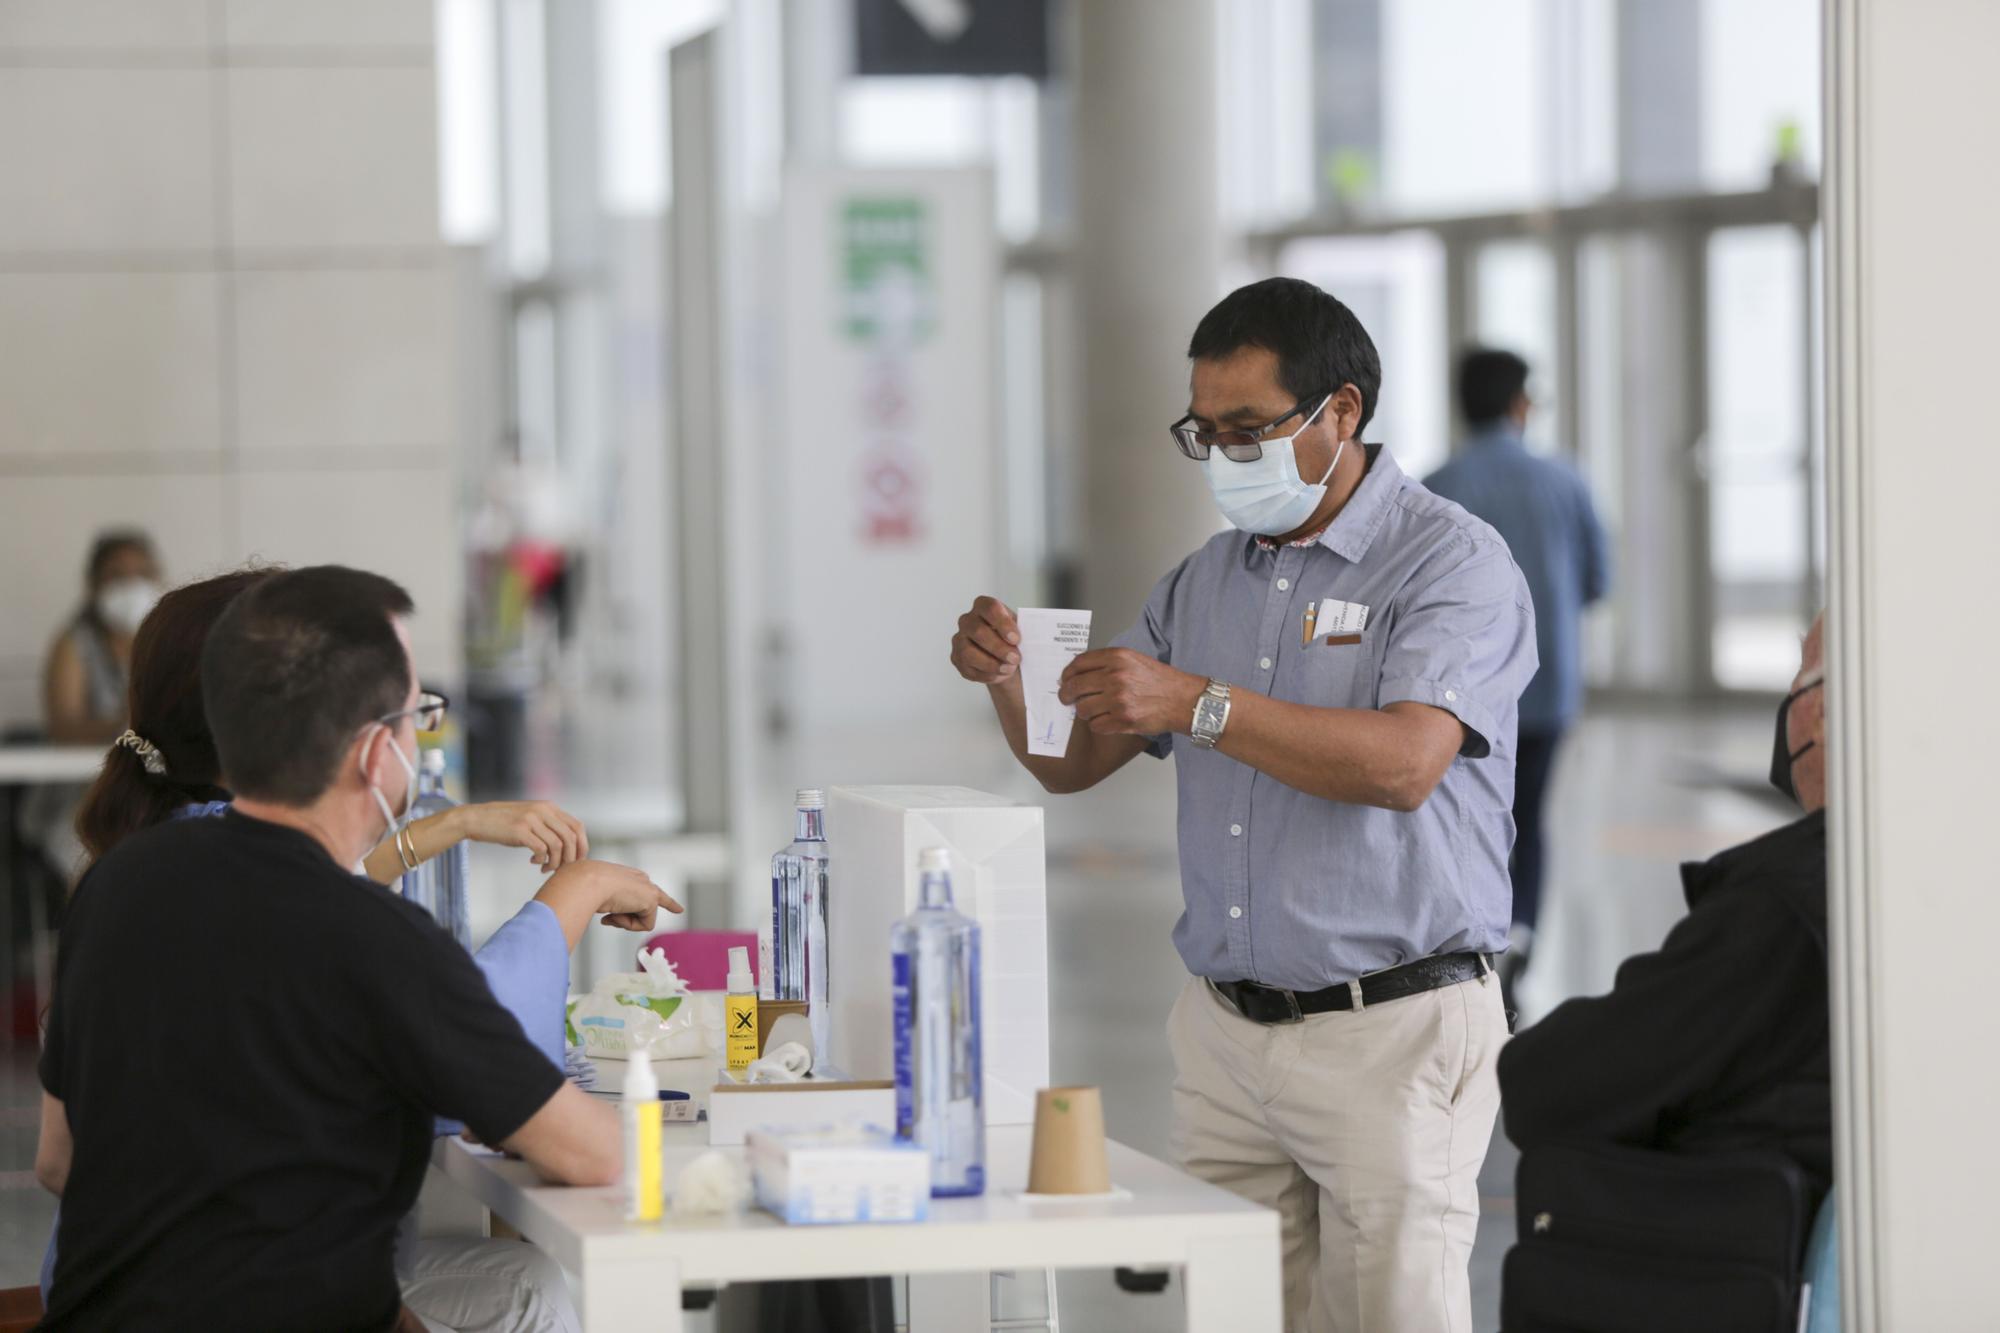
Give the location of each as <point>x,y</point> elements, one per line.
<point>1238,446</point>
<point>429,712</point>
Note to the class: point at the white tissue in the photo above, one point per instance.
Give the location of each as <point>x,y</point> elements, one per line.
<point>786,1064</point>
<point>660,971</point>
<point>712,1183</point>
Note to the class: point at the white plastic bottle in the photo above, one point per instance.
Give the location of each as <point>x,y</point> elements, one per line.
<point>639,1109</point>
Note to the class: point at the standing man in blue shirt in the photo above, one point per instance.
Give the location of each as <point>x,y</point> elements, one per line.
<point>1543,509</point>
<point>1335,680</point>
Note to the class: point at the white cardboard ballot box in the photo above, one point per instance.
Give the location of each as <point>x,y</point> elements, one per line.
<point>998,878</point>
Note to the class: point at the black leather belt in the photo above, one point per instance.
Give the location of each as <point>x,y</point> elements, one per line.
<point>1269,1004</point>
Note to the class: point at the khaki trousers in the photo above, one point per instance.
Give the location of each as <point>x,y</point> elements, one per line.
<point>1364,1130</point>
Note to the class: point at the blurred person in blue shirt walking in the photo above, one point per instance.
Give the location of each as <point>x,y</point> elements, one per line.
<point>1542,508</point>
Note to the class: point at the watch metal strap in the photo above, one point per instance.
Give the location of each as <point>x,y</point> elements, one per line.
<point>1211,715</point>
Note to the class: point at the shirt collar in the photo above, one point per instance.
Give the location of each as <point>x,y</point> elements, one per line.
<point>1502,434</point>
<point>1348,533</point>
<point>1353,529</point>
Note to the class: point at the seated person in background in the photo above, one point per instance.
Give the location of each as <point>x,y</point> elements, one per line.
<point>164,767</point>
<point>1719,1042</point>
<point>83,682</point>
<point>1720,1039</point>
<point>238,1149</point>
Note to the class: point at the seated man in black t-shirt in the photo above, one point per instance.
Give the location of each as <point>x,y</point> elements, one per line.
<point>248,1041</point>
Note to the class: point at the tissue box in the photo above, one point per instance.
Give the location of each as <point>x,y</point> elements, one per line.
<point>998,879</point>
<point>736,1110</point>
<point>840,1174</point>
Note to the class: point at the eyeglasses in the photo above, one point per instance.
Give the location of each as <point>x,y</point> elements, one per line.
<point>428,712</point>
<point>1238,446</point>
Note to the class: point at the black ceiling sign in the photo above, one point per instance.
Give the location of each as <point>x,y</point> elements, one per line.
<point>976,37</point>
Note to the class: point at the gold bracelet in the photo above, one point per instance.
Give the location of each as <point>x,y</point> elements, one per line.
<point>406,849</point>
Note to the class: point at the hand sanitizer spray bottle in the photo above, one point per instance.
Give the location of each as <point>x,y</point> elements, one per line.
<point>739,1011</point>
<point>639,1109</point>
<point>940,1097</point>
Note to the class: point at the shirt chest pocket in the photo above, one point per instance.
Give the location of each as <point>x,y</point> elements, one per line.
<point>1336,671</point>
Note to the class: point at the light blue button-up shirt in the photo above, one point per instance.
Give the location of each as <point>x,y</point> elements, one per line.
<point>1295,891</point>
<point>1542,509</point>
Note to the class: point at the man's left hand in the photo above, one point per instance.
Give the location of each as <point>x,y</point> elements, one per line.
<point>1121,692</point>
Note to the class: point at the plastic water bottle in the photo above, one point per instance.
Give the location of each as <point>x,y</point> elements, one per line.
<point>438,885</point>
<point>798,917</point>
<point>940,1097</point>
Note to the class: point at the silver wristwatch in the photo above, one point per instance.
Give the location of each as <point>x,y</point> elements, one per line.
<point>1211,715</point>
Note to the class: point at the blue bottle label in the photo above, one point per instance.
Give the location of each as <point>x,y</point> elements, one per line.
<point>903,1002</point>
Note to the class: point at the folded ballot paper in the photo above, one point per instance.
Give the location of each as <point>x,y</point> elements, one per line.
<point>1049,639</point>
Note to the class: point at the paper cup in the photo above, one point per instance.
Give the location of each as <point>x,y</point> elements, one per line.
<point>1068,1153</point>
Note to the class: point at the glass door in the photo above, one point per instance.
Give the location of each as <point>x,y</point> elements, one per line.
<point>1755,456</point>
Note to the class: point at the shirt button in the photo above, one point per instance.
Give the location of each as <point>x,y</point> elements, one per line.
<point>1264,664</point>
<point>1284,585</point>
<point>1235,830</point>
<point>1450,695</point>
<point>1235,912</point>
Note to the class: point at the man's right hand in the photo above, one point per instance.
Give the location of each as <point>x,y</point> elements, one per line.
<point>986,649</point>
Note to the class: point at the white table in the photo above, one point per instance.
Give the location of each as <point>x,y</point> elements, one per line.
<point>33,765</point>
<point>630,1275</point>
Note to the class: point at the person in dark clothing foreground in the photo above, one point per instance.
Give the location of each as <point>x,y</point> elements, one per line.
<point>1715,1045</point>
<point>250,1041</point>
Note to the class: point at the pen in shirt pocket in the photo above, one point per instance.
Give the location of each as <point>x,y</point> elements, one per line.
<point>1312,618</point>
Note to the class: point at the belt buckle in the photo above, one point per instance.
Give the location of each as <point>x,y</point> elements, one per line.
<point>1294,1014</point>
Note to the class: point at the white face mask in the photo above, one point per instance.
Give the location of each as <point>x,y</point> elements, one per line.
<point>122,604</point>
<point>395,819</point>
<point>1268,497</point>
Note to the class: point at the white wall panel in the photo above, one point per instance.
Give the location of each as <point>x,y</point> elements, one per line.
<point>333,157</point>
<point>105,25</point>
<point>401,522</point>
<point>1911,285</point>
<point>106,159</point>
<point>294,24</point>
<point>345,358</point>
<point>95,363</point>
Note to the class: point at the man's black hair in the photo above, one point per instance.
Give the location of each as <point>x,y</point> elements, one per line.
<point>293,669</point>
<point>1489,382</point>
<point>1319,343</point>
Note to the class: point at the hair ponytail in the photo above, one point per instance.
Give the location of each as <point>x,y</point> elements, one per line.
<point>164,706</point>
<point>124,799</point>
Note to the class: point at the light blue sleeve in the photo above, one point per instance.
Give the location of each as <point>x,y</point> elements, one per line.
<point>526,964</point>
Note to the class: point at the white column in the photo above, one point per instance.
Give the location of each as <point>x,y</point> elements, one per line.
<point>1148,264</point>
<point>1913,114</point>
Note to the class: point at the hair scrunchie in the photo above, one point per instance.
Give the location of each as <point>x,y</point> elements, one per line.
<point>149,755</point>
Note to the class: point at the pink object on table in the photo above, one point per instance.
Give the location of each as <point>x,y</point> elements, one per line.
<point>701,957</point>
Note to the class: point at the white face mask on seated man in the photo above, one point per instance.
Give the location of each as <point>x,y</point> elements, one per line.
<point>393,819</point>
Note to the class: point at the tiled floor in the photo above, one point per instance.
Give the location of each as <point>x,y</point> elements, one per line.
<point>1635,793</point>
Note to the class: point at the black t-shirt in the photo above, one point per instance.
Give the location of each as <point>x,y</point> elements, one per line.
<point>250,1043</point>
